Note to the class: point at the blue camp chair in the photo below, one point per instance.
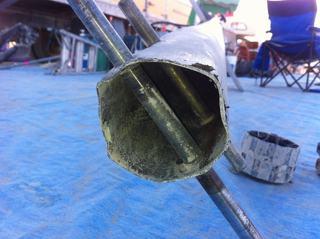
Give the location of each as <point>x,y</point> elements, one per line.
<point>294,42</point>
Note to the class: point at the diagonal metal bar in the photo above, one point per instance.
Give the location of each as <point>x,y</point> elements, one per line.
<point>210,181</point>
<point>137,79</point>
<point>177,76</point>
<point>227,204</point>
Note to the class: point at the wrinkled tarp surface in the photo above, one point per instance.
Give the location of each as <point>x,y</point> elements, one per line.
<point>56,180</point>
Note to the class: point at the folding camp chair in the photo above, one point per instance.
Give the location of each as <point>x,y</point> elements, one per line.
<point>294,42</point>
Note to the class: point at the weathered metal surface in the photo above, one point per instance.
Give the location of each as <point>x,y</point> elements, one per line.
<point>269,157</point>
<point>235,158</point>
<point>134,141</point>
<point>148,110</point>
<point>161,113</point>
<point>210,180</point>
<point>177,76</point>
<point>137,80</point>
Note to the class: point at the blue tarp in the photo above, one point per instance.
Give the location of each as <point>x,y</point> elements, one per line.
<point>57,181</point>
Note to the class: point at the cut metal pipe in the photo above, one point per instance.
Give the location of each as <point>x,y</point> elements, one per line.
<point>137,79</point>
<point>210,181</point>
<point>227,204</point>
<point>176,74</point>
<point>161,113</point>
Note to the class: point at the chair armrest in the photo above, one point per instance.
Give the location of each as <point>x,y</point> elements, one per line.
<point>315,30</point>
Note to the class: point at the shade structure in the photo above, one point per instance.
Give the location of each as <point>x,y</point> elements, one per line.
<point>214,7</point>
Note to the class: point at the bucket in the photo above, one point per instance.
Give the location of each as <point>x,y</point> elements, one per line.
<point>232,61</point>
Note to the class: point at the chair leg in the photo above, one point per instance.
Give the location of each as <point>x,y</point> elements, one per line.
<point>282,67</point>
<point>262,67</point>
<point>315,77</point>
<point>276,59</point>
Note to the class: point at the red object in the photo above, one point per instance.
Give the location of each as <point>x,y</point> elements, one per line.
<point>228,14</point>
<point>243,51</point>
<point>26,63</point>
<point>163,29</point>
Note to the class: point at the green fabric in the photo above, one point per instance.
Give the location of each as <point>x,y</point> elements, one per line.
<point>102,61</point>
<point>192,18</point>
<point>214,6</point>
<point>234,2</point>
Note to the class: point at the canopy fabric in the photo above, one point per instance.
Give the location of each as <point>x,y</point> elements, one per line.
<point>214,7</point>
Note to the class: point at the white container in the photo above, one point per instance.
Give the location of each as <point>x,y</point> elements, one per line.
<point>232,61</point>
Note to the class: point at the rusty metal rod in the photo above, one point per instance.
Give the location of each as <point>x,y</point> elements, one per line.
<point>137,79</point>
<point>228,206</point>
<point>177,76</point>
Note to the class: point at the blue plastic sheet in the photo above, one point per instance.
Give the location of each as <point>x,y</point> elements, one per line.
<point>57,181</point>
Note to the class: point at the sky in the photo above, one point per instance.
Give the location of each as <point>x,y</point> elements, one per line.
<point>254,12</point>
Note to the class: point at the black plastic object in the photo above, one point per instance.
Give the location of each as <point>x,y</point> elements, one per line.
<point>273,138</point>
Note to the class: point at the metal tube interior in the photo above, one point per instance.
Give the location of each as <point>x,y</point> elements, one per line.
<point>162,114</point>
<point>137,79</point>
<point>177,76</point>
